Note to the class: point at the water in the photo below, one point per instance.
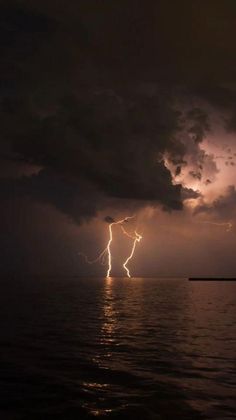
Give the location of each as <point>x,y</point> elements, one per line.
<point>75,348</point>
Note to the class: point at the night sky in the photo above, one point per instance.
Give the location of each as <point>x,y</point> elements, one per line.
<point>114,108</point>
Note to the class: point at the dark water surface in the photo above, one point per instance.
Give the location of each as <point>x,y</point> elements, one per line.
<point>74,348</point>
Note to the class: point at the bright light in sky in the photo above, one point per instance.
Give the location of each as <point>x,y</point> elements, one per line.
<point>214,173</point>
<point>106,254</point>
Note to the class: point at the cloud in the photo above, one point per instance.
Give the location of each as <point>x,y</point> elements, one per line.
<point>109,219</point>
<point>189,193</point>
<point>93,96</point>
<point>224,206</point>
<point>196,175</point>
<point>98,137</point>
<point>199,124</point>
<point>67,195</point>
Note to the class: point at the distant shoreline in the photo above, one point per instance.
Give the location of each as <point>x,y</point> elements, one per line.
<point>211,279</point>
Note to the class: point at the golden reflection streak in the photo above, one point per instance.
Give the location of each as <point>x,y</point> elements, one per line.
<point>109,312</point>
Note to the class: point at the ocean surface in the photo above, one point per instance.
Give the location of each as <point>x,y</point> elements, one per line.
<point>141,348</point>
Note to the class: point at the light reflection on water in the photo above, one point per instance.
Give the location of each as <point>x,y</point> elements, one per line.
<point>118,348</point>
<point>109,313</point>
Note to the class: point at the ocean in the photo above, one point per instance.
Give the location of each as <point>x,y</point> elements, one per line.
<point>140,348</point>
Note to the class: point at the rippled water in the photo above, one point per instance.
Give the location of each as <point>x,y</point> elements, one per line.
<point>139,348</point>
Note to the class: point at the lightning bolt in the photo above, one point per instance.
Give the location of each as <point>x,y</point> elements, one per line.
<point>108,247</point>
<point>228,225</point>
<point>105,256</point>
<point>101,257</point>
<point>137,239</point>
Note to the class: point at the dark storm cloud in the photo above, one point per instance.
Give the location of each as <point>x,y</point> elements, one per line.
<point>109,219</point>
<point>89,92</point>
<point>114,147</point>
<point>200,124</point>
<point>230,123</point>
<point>111,141</point>
<point>189,193</point>
<point>178,171</point>
<point>50,187</point>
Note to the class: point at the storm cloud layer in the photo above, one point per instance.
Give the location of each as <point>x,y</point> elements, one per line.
<point>95,94</point>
